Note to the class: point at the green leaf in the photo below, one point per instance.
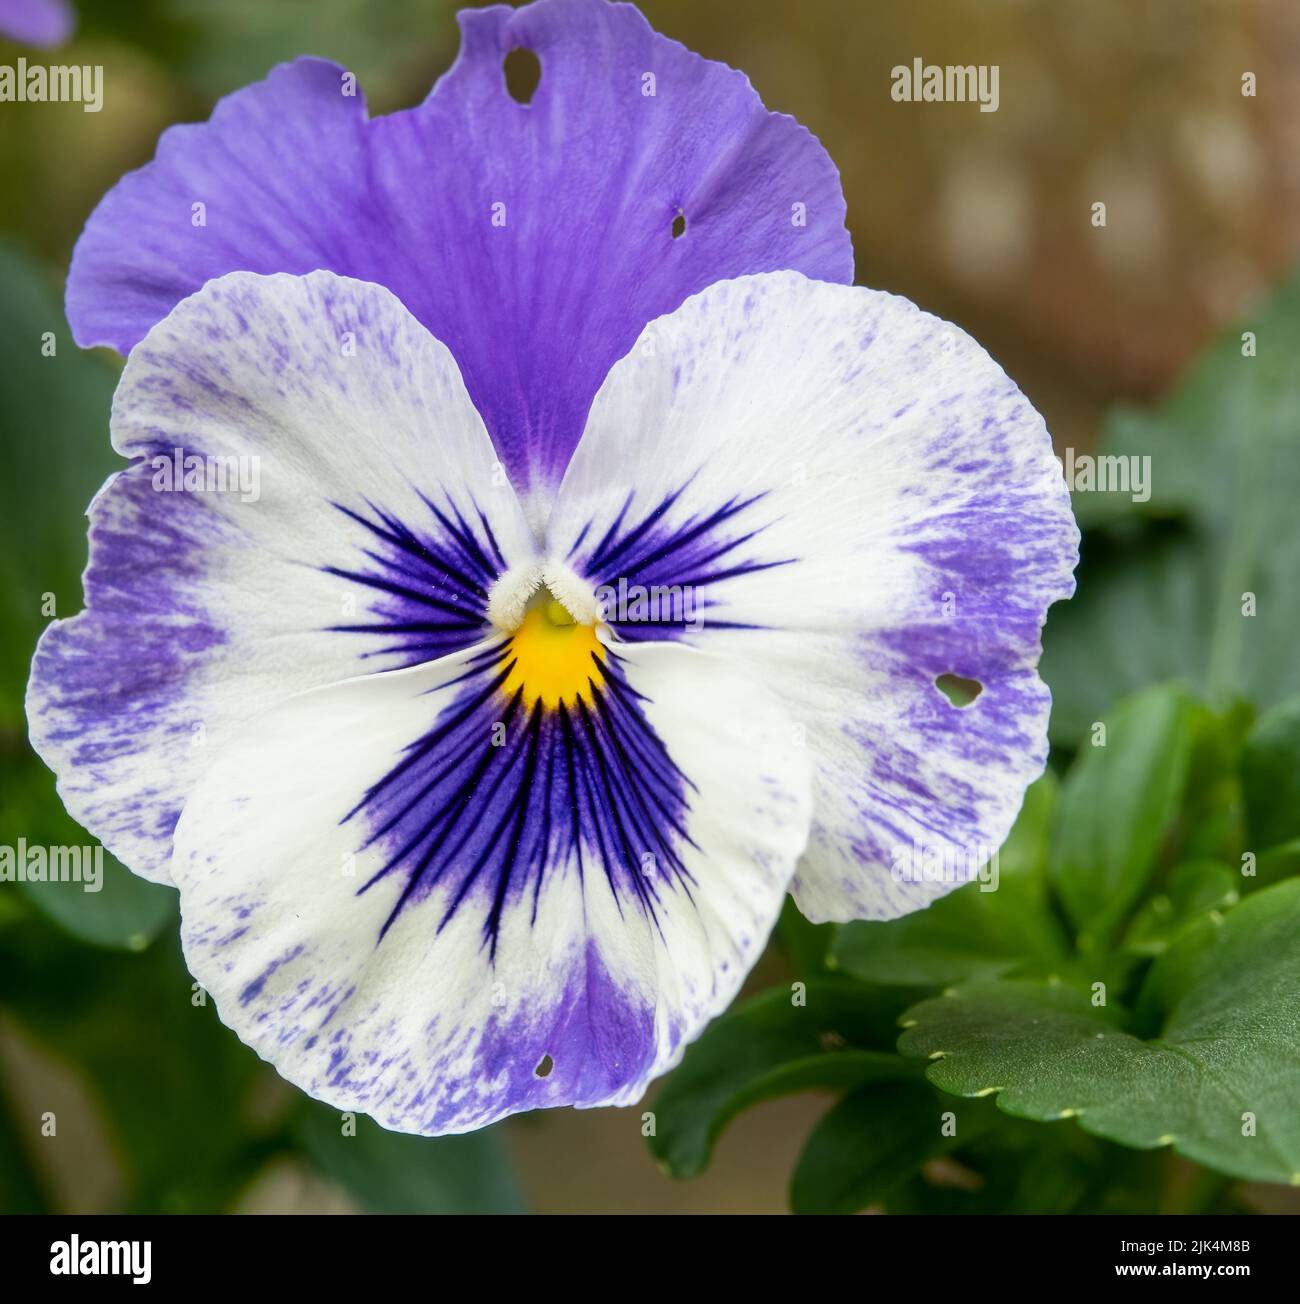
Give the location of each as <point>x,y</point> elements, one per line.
<point>1159,600</point>
<point>973,932</point>
<point>1273,866</point>
<point>1227,1058</point>
<point>1270,777</point>
<point>1214,436</point>
<point>1138,617</point>
<point>870,1144</point>
<point>123,911</point>
<point>1195,888</point>
<point>126,912</point>
<point>1015,1166</point>
<point>22,1189</point>
<point>174,1085</point>
<point>1117,804</point>
<point>391,1172</point>
<point>772,1046</point>
<point>806,945</point>
<point>54,455</point>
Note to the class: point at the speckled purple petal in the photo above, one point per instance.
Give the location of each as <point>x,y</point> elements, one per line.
<point>534,240</point>
<point>45,23</point>
<point>853,500</point>
<point>313,497</point>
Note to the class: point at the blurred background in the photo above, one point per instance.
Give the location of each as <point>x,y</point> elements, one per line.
<point>981,218</point>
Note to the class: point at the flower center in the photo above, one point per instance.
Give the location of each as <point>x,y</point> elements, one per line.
<point>555,659</point>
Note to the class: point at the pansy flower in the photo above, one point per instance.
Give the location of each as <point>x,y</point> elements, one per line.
<point>512,594</point>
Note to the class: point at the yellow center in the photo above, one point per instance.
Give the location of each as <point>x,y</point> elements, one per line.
<point>555,659</point>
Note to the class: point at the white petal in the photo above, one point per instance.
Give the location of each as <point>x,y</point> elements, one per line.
<point>852,497</point>
<point>206,606</point>
<point>408,919</point>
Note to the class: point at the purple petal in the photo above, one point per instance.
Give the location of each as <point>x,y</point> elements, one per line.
<point>588,179</point>
<point>45,23</point>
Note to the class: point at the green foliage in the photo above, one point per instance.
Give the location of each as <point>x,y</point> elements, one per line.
<point>1116,804</point>
<point>171,1086</point>
<point>53,461</point>
<point>1270,776</point>
<point>867,1146</point>
<point>125,911</point>
<point>1128,971</point>
<point>59,404</point>
<point>193,1115</point>
<point>1193,890</point>
<point>1163,585</point>
<point>823,1033</point>
<point>1219,1083</point>
<point>388,1172</point>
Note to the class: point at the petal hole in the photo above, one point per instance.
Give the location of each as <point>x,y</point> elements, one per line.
<point>544,1067</point>
<point>679,225</point>
<point>958,690</point>
<point>522,70</point>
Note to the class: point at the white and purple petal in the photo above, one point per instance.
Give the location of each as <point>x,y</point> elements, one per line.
<point>852,498</point>
<point>313,497</point>
<point>419,897</point>
<point>535,240</point>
